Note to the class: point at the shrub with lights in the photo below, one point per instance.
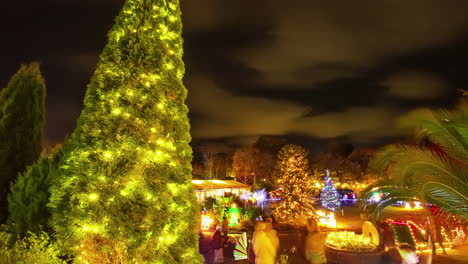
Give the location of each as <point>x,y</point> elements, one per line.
<point>349,241</point>
<point>124,193</point>
<point>296,205</point>
<point>239,214</point>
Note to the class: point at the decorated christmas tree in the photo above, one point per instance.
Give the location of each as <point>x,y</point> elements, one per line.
<point>294,181</point>
<point>123,193</point>
<point>329,196</point>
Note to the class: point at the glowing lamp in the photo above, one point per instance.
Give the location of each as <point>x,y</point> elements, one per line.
<point>206,222</point>
<point>235,215</point>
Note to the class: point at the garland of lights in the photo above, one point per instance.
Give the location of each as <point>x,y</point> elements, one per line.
<point>412,226</point>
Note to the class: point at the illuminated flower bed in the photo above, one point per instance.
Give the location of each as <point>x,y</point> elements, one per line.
<point>349,241</point>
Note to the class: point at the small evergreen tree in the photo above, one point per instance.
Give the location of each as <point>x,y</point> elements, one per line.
<point>329,197</point>
<point>124,193</point>
<point>293,170</point>
<point>27,202</point>
<point>22,120</point>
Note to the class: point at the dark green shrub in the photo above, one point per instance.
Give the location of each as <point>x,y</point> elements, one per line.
<point>209,203</point>
<point>22,120</point>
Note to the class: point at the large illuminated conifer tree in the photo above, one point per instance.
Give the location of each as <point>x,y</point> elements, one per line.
<point>124,194</point>
<point>292,168</point>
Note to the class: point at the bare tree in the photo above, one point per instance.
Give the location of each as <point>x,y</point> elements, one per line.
<point>242,163</point>
<point>210,151</point>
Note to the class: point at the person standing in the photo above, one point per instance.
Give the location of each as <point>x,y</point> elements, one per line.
<point>216,245</point>
<point>225,226</point>
<point>228,249</point>
<point>250,252</point>
<point>263,247</point>
<point>205,248</point>
<point>314,244</point>
<point>272,235</point>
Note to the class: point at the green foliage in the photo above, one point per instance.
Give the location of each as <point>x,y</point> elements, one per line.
<point>436,173</point>
<point>251,213</point>
<point>27,202</point>
<point>296,184</point>
<point>219,208</point>
<point>124,193</point>
<point>22,119</point>
<point>209,203</point>
<point>33,248</point>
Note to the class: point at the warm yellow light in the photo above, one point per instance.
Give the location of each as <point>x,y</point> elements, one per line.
<point>117,111</point>
<point>206,222</point>
<point>346,240</point>
<point>108,154</point>
<point>93,196</point>
<point>417,205</point>
<point>325,219</point>
<point>149,197</point>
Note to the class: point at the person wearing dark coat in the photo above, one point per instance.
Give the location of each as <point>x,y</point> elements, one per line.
<point>216,244</point>
<point>228,249</point>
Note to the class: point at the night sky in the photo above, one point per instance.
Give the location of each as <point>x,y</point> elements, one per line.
<point>316,69</point>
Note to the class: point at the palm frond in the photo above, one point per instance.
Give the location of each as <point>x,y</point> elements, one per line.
<point>415,160</point>
<point>446,197</point>
<point>367,192</point>
<point>384,157</point>
<point>432,176</point>
<point>448,129</point>
<point>389,201</point>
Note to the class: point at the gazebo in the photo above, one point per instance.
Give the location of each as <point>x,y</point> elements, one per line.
<point>217,188</point>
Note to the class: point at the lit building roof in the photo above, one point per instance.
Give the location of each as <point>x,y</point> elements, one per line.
<point>217,184</point>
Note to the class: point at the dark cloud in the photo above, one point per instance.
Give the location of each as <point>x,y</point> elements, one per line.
<point>414,85</point>
<point>322,69</point>
<point>222,114</point>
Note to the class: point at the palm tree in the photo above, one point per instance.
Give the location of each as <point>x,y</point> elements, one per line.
<point>435,170</point>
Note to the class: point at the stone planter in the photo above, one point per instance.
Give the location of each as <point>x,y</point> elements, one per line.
<point>336,256</point>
